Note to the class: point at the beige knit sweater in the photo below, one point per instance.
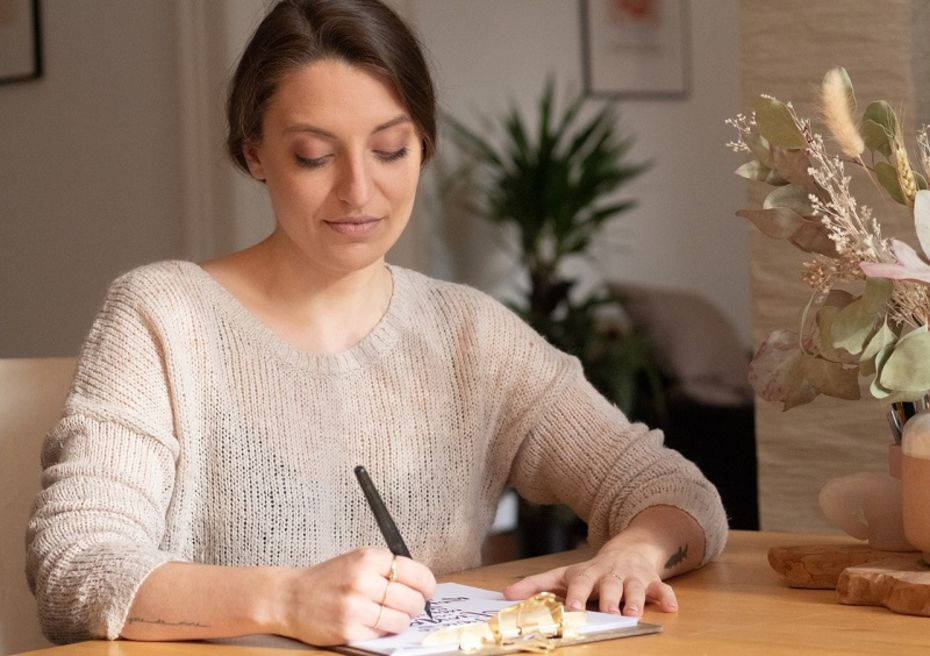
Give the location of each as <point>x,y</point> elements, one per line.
<point>192,432</point>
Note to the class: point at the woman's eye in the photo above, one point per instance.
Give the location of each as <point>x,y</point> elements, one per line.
<point>391,155</point>
<point>311,162</point>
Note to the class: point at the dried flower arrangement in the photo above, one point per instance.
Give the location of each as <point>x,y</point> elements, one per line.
<point>869,309</point>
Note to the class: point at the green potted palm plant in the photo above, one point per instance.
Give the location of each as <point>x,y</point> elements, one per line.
<point>555,183</point>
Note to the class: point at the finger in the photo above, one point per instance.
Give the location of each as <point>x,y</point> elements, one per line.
<point>355,620</point>
<point>609,591</point>
<point>551,581</point>
<point>392,569</point>
<point>373,560</point>
<point>415,575</point>
<point>365,583</point>
<point>389,620</point>
<point>405,599</point>
<point>634,597</point>
<point>663,596</point>
<point>581,583</point>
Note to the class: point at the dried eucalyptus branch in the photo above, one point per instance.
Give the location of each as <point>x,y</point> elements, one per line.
<point>882,331</point>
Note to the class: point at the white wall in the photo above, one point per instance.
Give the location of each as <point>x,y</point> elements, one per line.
<point>684,234</point>
<point>89,182</point>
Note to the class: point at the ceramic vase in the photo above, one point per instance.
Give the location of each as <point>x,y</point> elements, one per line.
<point>915,479</point>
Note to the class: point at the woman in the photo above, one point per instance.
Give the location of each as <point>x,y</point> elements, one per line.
<point>200,483</point>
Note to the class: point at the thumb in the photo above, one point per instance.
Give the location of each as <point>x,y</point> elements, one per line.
<point>546,582</point>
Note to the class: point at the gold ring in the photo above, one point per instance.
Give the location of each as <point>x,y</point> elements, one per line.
<point>378,621</point>
<point>393,575</point>
<point>384,596</point>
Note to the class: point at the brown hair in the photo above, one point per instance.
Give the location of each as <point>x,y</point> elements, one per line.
<point>364,33</point>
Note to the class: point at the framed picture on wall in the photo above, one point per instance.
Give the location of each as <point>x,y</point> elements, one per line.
<point>20,43</point>
<point>636,48</point>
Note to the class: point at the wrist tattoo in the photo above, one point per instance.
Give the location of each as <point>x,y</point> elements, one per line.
<point>677,557</point>
<point>142,620</point>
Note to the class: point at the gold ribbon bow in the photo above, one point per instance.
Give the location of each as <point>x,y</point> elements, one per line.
<point>535,625</point>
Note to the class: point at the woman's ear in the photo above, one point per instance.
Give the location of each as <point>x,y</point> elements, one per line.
<point>254,161</point>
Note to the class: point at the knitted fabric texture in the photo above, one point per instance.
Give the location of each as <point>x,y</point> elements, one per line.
<point>192,432</point>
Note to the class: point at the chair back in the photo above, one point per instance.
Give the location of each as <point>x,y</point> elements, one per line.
<point>32,394</point>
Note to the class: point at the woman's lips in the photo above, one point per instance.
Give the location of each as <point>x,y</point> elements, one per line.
<point>354,226</point>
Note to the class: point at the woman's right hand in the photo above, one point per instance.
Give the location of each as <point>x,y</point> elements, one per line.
<point>353,597</point>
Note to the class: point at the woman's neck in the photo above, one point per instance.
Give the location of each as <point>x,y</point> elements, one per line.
<point>314,309</point>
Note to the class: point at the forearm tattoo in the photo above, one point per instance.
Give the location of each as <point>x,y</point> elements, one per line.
<point>142,620</point>
<point>677,557</point>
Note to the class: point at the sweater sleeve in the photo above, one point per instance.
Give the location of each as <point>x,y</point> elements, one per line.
<point>583,452</point>
<point>109,468</point>
<point>572,446</point>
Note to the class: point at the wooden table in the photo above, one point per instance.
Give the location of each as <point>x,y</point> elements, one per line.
<point>736,605</point>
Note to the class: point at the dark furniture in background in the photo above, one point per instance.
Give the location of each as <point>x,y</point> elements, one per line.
<point>721,441</point>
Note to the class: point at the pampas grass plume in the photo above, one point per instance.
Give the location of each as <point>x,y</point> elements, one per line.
<point>837,105</point>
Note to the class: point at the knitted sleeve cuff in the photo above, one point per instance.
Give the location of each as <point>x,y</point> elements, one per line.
<point>701,504</point>
<point>101,582</point>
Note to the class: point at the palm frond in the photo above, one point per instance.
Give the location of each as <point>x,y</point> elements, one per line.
<point>556,181</point>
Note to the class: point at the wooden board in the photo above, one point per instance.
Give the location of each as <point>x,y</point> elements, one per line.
<point>900,583</point>
<point>818,566</point>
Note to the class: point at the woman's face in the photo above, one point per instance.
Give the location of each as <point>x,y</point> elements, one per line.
<point>341,160</point>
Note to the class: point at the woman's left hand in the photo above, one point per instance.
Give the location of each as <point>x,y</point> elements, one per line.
<point>616,574</point>
<point>627,572</point>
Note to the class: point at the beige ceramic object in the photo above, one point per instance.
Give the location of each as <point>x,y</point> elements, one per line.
<point>867,506</point>
<point>915,478</point>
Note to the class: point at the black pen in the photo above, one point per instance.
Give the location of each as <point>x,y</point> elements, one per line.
<point>383,517</point>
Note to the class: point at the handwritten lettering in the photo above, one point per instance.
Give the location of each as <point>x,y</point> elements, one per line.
<point>445,615</point>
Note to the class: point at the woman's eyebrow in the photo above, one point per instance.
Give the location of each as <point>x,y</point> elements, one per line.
<point>397,120</point>
<point>312,129</point>
<point>326,134</point>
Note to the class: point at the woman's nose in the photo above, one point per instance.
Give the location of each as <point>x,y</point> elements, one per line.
<point>354,184</point>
